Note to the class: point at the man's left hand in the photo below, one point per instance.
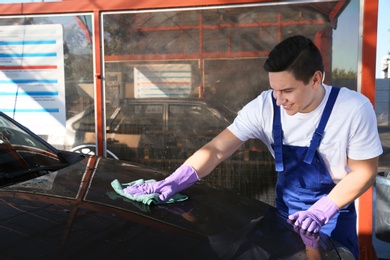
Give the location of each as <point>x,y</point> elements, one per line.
<point>316,216</point>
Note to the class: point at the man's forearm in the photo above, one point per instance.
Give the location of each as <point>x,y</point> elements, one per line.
<point>359,180</point>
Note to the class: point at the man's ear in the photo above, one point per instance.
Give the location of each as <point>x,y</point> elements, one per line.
<point>318,78</point>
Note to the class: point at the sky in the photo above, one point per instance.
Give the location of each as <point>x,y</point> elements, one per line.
<point>345,36</point>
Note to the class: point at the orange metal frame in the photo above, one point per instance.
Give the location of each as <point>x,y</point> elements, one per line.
<point>97,6</point>
<point>370,21</point>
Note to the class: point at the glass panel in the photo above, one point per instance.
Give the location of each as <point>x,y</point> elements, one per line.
<point>203,66</point>
<point>193,115</point>
<point>134,128</point>
<point>176,33</point>
<point>223,76</point>
<point>76,68</point>
<point>345,48</point>
<point>382,98</point>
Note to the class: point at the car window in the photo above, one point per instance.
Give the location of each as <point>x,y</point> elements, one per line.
<point>198,117</point>
<point>14,136</point>
<point>137,118</point>
<point>20,151</point>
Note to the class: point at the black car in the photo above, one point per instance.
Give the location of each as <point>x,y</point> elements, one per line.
<point>61,205</point>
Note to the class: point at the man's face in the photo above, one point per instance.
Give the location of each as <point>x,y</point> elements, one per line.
<point>293,95</point>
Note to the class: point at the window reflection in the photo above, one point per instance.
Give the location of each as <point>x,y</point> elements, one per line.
<point>77,66</point>
<point>223,49</point>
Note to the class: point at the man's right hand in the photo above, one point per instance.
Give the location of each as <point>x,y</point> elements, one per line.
<point>184,177</point>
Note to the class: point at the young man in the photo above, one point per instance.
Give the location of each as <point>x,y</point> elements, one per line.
<point>324,140</point>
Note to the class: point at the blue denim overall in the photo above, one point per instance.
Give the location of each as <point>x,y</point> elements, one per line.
<point>303,179</point>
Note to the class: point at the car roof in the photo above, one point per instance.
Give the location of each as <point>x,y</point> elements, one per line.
<point>227,112</point>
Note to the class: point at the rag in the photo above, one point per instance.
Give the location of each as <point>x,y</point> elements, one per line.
<point>146,199</point>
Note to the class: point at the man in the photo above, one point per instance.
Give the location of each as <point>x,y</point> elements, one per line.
<point>324,140</point>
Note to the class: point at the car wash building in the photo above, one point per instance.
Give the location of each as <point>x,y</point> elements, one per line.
<point>152,81</point>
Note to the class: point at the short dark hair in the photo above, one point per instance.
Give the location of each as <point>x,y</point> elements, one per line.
<point>296,54</point>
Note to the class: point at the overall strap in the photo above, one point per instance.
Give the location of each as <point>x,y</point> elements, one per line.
<point>317,136</point>
<point>277,134</point>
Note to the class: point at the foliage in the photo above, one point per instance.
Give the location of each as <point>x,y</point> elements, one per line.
<point>343,74</point>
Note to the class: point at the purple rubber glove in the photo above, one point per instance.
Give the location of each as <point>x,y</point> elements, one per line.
<point>184,177</point>
<point>308,238</point>
<point>316,216</point>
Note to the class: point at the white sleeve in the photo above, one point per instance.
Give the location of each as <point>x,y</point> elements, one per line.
<point>364,142</point>
<point>254,118</point>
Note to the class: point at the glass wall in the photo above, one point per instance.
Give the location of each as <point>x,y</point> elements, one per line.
<point>47,73</point>
<point>176,78</point>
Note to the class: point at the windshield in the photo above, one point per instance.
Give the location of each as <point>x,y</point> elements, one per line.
<point>21,150</point>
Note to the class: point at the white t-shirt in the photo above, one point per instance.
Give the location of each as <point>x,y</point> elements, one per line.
<point>351,130</point>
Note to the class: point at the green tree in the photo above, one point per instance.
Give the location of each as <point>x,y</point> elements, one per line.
<point>343,74</point>
<point>344,78</point>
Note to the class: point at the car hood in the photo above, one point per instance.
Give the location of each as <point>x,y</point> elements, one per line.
<point>75,213</point>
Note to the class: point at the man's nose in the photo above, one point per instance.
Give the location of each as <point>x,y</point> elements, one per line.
<point>279,97</point>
